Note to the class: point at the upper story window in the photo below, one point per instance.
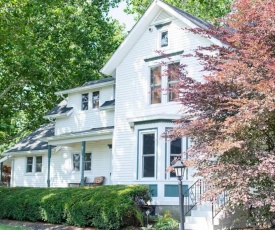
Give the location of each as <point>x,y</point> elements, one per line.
<point>85,101</point>
<point>96,99</point>
<point>173,79</point>
<point>164,39</point>
<point>164,77</point>
<point>155,78</point>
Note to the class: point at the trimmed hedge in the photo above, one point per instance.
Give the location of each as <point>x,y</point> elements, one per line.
<point>103,207</point>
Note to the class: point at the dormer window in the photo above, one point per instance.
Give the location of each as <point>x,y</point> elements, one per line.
<point>85,101</point>
<point>164,39</point>
<point>96,99</point>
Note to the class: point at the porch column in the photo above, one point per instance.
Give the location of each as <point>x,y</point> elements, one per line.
<point>49,165</point>
<point>83,150</point>
<point>1,172</point>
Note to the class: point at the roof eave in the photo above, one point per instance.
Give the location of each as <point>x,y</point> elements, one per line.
<point>85,88</point>
<point>58,115</point>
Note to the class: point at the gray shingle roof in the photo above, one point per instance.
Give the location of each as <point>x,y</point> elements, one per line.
<point>98,81</point>
<point>32,142</point>
<point>59,109</point>
<point>198,22</point>
<point>108,103</point>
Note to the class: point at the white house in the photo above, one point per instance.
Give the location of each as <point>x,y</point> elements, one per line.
<point>112,127</point>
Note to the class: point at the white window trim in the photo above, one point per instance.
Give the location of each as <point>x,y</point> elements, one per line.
<point>80,166</point>
<point>140,148</point>
<point>81,102</point>
<point>92,100</point>
<point>160,31</point>
<point>33,165</point>
<point>168,152</point>
<point>164,79</point>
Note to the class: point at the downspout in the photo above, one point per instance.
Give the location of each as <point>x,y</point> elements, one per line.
<point>83,150</point>
<point>49,165</point>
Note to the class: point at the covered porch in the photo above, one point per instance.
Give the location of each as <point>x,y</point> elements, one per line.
<point>5,171</point>
<point>77,159</point>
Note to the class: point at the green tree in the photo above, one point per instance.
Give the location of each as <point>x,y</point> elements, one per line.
<point>204,9</point>
<point>47,46</point>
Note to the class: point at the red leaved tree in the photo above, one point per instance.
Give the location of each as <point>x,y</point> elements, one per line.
<point>230,115</point>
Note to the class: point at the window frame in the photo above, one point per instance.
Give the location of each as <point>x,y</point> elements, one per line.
<point>88,161</point>
<point>164,29</point>
<point>141,133</point>
<point>95,106</point>
<point>79,160</point>
<point>172,82</point>
<point>164,89</point>
<point>34,168</point>
<point>84,103</point>
<point>73,162</point>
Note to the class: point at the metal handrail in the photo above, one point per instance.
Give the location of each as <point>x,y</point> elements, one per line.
<point>192,196</point>
<point>218,204</point>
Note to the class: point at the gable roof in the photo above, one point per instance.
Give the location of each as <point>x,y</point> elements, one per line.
<point>33,141</point>
<point>143,24</point>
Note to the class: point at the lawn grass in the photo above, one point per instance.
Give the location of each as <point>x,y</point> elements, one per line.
<point>8,227</point>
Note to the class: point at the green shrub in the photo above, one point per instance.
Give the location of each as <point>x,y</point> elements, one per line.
<point>104,207</point>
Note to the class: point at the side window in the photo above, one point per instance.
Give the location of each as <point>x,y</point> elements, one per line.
<point>85,101</point>
<point>88,161</point>
<point>34,164</point>
<point>38,164</point>
<point>163,39</point>
<point>173,78</point>
<point>29,164</point>
<point>175,150</point>
<point>76,161</point>
<point>148,154</point>
<point>96,99</point>
<point>155,84</point>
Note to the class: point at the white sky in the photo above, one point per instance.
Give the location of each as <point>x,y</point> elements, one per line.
<point>127,19</point>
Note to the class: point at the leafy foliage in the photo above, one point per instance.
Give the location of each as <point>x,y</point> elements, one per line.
<point>104,207</point>
<point>230,115</point>
<point>204,9</point>
<point>46,46</point>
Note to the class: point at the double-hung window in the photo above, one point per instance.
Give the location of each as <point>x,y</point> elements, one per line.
<point>77,161</point>
<point>172,80</point>
<point>85,101</point>
<point>175,151</point>
<point>161,78</point>
<point>88,162</point>
<point>148,148</point>
<point>34,164</point>
<point>96,99</point>
<point>155,80</point>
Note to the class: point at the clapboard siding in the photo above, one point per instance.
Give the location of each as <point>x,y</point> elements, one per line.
<point>21,178</point>
<point>83,120</point>
<point>133,92</point>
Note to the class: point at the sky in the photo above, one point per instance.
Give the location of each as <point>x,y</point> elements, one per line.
<point>127,19</point>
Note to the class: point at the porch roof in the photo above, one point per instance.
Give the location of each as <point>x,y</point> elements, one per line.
<point>60,110</point>
<point>99,133</point>
<point>33,141</point>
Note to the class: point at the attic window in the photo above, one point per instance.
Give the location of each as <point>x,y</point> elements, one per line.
<point>164,39</point>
